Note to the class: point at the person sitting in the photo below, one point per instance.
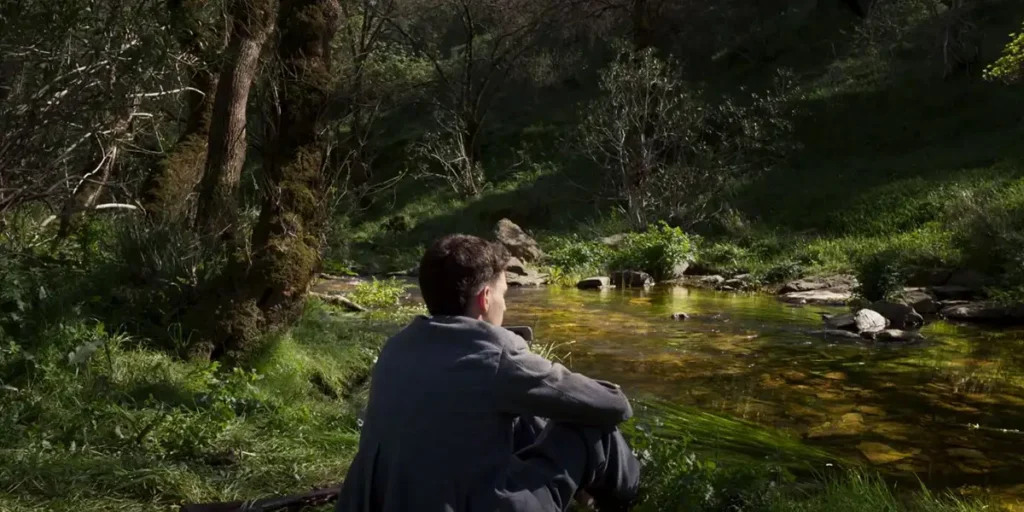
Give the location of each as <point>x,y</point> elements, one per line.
<point>462,416</point>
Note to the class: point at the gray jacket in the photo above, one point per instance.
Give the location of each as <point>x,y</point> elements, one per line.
<point>438,429</point>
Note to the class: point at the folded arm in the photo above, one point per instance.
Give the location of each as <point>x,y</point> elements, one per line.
<point>529,384</point>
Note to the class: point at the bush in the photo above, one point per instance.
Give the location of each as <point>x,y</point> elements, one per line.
<point>657,251</point>
<point>574,255</point>
<point>379,294</point>
<point>881,276</point>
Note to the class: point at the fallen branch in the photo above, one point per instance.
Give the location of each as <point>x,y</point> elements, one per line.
<point>313,498</point>
<point>107,206</point>
<point>338,300</point>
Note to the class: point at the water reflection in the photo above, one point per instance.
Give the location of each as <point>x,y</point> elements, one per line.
<point>947,410</point>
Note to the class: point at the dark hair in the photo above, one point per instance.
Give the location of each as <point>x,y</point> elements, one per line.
<point>455,267</point>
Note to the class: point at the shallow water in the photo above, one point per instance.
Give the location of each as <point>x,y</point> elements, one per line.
<point>946,410</point>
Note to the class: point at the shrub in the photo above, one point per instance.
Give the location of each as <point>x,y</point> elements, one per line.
<point>573,255</point>
<point>379,294</point>
<point>881,276</point>
<point>657,251</point>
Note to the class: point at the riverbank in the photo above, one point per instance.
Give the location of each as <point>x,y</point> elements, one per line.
<point>96,420</point>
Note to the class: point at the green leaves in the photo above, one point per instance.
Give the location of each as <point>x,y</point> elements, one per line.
<point>1010,67</point>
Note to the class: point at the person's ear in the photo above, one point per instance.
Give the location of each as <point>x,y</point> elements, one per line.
<point>483,299</point>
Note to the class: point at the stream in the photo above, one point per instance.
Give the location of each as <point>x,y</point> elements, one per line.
<point>946,410</point>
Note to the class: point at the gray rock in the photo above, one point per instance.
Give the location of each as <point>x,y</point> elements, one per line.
<point>532,278</point>
<point>837,334</point>
<point>736,283</point>
<point>921,300</point>
<point>742,277</point>
<point>846,321</point>
<point>614,240</point>
<point>837,283</point>
<point>819,297</point>
<point>896,335</point>
<point>869,321</point>
<point>516,266</point>
<point>986,312</point>
<point>953,292</point>
<point>711,280</point>
<point>679,270</point>
<point>518,243</point>
<point>632,279</point>
<point>680,316</point>
<point>594,283</point>
<point>900,316</point>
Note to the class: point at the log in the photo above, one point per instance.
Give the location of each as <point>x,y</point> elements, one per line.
<point>338,300</point>
<point>314,498</point>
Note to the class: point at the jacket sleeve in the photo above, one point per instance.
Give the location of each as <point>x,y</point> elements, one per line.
<point>529,384</point>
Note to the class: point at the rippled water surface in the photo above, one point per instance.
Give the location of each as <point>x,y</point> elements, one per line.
<point>948,410</point>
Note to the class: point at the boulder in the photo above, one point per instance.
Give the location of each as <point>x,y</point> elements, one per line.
<point>868,321</point>
<point>594,283</point>
<point>736,283</point>
<point>846,321</point>
<point>679,270</point>
<point>680,316</point>
<point>518,243</point>
<point>632,279</point>
<point>516,266</point>
<point>921,300</point>
<point>531,278</point>
<point>900,316</point>
<point>711,280</point>
<point>897,335</point>
<point>986,312</point>
<point>819,297</point>
<point>837,283</point>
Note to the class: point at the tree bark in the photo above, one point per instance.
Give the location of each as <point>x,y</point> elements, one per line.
<point>642,34</point>
<point>171,181</point>
<point>266,292</point>
<point>227,143</point>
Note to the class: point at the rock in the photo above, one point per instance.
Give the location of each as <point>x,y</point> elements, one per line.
<point>965,453</point>
<point>614,240</point>
<point>711,280</point>
<point>878,453</point>
<point>837,283</point>
<point>516,266</point>
<point>846,321</point>
<point>679,270</point>
<point>986,312</point>
<point>953,292</point>
<point>594,283</point>
<point>736,283</point>
<point>921,300</point>
<point>820,297</point>
<point>900,316</point>
<point>837,334</point>
<point>632,279</point>
<point>849,424</point>
<point>339,301</point>
<point>518,243</point>
<point>896,335</point>
<point>680,316</point>
<point>868,321</point>
<point>925,277</point>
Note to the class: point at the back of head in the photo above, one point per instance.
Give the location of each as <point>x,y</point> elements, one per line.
<point>455,268</point>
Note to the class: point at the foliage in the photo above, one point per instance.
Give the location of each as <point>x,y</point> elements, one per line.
<point>658,251</point>
<point>1010,66</point>
<point>380,294</point>
<point>575,256</point>
<point>881,276</point>
<point>666,150</point>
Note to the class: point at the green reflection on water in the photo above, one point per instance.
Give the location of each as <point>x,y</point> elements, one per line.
<point>947,410</point>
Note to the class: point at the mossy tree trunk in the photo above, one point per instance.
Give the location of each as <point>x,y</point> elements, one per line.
<point>227,143</point>
<point>264,292</point>
<point>173,179</point>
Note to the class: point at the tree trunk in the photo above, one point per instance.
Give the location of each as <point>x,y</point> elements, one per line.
<point>227,143</point>
<point>642,34</point>
<point>265,292</point>
<point>171,181</point>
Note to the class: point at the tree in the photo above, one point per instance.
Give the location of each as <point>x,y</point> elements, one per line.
<point>1010,66</point>
<point>665,150</point>
<point>218,193</point>
<point>262,292</point>
<point>472,45</point>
